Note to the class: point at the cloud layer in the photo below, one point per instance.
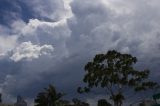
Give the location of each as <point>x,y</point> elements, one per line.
<point>76,30</point>
<point>28,51</point>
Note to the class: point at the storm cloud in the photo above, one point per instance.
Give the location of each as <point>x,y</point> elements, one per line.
<point>50,41</point>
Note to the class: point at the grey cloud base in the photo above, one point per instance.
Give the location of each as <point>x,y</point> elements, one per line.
<point>77,30</point>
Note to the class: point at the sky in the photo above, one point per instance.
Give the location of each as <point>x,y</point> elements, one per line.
<point>46,42</point>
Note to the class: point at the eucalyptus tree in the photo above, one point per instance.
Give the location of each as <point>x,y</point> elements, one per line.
<point>77,102</point>
<point>115,72</point>
<point>103,102</point>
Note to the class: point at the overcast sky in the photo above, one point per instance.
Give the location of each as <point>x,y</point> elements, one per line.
<point>50,41</point>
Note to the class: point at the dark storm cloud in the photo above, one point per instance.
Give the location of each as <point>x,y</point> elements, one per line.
<point>12,10</point>
<point>50,10</point>
<point>77,32</point>
<point>8,67</point>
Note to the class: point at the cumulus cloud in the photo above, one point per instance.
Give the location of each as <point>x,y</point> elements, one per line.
<point>7,43</point>
<point>78,30</point>
<point>122,25</point>
<point>29,51</point>
<point>41,33</point>
<point>50,10</point>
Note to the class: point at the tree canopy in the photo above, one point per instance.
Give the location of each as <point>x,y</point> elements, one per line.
<point>115,72</point>
<point>49,97</point>
<point>103,102</point>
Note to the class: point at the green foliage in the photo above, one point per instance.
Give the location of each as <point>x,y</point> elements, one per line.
<point>115,71</point>
<point>48,98</point>
<point>63,103</point>
<point>141,104</point>
<point>77,102</point>
<point>103,102</point>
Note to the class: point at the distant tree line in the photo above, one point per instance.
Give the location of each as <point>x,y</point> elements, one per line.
<point>113,71</point>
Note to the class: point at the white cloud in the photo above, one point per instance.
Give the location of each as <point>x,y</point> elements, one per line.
<point>53,10</point>
<point>29,51</point>
<point>7,43</point>
<point>79,31</point>
<point>117,24</point>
